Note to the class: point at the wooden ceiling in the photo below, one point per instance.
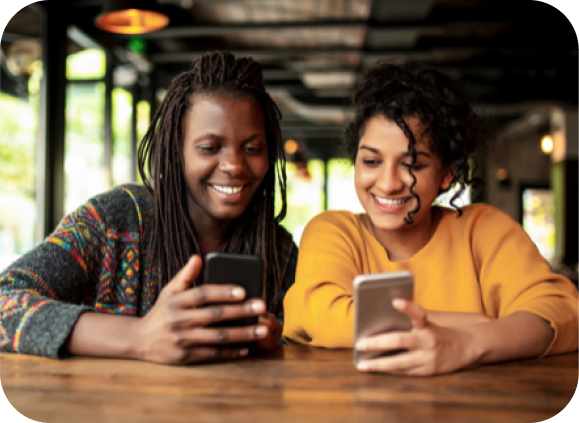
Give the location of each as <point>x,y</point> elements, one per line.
<point>511,55</point>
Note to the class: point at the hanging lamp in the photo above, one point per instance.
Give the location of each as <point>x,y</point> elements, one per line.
<point>131,17</point>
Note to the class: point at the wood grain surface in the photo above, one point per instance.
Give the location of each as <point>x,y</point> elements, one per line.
<point>293,384</point>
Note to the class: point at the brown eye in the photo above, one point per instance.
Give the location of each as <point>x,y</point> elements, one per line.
<point>251,149</point>
<point>370,162</point>
<point>207,149</point>
<point>415,167</point>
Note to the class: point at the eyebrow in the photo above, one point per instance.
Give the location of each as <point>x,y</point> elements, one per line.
<point>405,154</point>
<point>219,138</point>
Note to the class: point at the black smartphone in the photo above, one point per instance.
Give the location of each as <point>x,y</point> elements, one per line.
<point>373,310</point>
<point>244,270</point>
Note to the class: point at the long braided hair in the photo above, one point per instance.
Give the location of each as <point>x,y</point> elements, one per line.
<point>161,168</point>
<point>451,126</point>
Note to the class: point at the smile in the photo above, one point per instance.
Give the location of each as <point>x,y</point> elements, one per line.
<point>394,202</point>
<point>227,189</point>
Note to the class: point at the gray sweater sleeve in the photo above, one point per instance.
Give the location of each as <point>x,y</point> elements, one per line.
<point>42,293</point>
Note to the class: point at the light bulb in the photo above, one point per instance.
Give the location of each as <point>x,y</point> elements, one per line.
<point>547,144</point>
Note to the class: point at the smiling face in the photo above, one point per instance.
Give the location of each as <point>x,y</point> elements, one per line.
<point>225,156</point>
<point>382,179</point>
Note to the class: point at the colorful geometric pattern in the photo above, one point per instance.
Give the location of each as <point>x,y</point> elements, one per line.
<point>4,338</point>
<point>80,233</point>
<point>25,318</point>
<point>13,302</point>
<point>144,206</point>
<point>115,265</point>
<point>119,274</point>
<point>17,277</point>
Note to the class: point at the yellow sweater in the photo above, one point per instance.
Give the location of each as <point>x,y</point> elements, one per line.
<point>481,262</point>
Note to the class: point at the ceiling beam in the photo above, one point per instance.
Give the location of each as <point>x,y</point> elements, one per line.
<point>189,56</point>
<point>535,57</point>
<point>285,74</point>
<point>234,28</point>
<point>12,38</point>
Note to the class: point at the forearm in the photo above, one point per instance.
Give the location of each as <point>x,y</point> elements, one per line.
<point>103,335</point>
<point>453,319</point>
<point>518,336</point>
<point>34,324</point>
<point>321,318</point>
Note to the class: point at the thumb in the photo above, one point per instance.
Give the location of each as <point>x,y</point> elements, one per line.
<point>415,312</point>
<point>183,280</point>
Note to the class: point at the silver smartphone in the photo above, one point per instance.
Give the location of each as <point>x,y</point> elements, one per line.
<point>373,310</point>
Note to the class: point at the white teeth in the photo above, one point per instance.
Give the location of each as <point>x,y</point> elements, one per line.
<point>390,203</point>
<point>227,190</point>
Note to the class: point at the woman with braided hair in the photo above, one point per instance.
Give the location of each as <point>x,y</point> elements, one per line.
<point>121,276</point>
<point>482,291</point>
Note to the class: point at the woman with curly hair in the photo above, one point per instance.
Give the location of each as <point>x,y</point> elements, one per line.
<point>121,276</point>
<point>482,291</point>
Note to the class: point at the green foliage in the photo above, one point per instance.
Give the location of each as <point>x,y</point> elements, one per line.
<point>86,64</point>
<point>18,135</point>
<point>18,132</point>
<point>121,122</point>
<point>85,174</point>
<point>305,196</point>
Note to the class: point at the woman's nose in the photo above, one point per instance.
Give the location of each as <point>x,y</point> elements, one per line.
<point>232,163</point>
<point>390,181</point>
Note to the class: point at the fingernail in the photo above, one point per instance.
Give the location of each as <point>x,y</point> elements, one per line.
<point>398,303</point>
<point>238,292</point>
<point>258,306</point>
<point>362,345</point>
<point>363,366</point>
<point>261,331</point>
<point>243,352</point>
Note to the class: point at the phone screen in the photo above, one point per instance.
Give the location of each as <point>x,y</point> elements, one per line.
<point>236,269</point>
<point>374,313</point>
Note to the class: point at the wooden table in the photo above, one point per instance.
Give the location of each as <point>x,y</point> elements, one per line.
<point>293,384</point>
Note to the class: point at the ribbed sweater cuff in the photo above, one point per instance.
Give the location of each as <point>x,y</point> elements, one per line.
<point>46,327</point>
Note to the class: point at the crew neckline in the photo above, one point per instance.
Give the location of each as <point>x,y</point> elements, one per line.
<point>443,218</point>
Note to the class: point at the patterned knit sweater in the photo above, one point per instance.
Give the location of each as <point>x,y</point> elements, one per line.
<point>98,259</point>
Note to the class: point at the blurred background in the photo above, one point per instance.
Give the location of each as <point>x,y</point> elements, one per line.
<point>80,80</point>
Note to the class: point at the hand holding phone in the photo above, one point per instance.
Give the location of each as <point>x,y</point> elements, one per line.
<point>177,328</point>
<point>374,313</point>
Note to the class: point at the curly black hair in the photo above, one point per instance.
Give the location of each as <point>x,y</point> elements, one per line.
<point>451,126</point>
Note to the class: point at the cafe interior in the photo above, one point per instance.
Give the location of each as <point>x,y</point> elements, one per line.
<point>81,80</point>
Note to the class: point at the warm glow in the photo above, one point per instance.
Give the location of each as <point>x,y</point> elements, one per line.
<point>291,146</point>
<point>132,21</point>
<point>502,174</point>
<point>547,144</point>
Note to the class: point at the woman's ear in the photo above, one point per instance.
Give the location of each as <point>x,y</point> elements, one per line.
<point>447,177</point>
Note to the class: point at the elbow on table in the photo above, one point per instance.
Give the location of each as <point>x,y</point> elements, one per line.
<point>319,317</point>
<point>311,330</point>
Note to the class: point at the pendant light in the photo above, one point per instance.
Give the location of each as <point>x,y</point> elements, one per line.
<point>131,17</point>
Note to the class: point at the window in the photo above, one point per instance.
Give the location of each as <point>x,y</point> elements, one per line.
<point>341,189</point>
<point>85,173</point>
<point>19,111</point>
<point>305,195</point>
<point>143,122</point>
<point>121,122</point>
<point>84,162</point>
<point>539,219</point>
<point>462,200</point>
